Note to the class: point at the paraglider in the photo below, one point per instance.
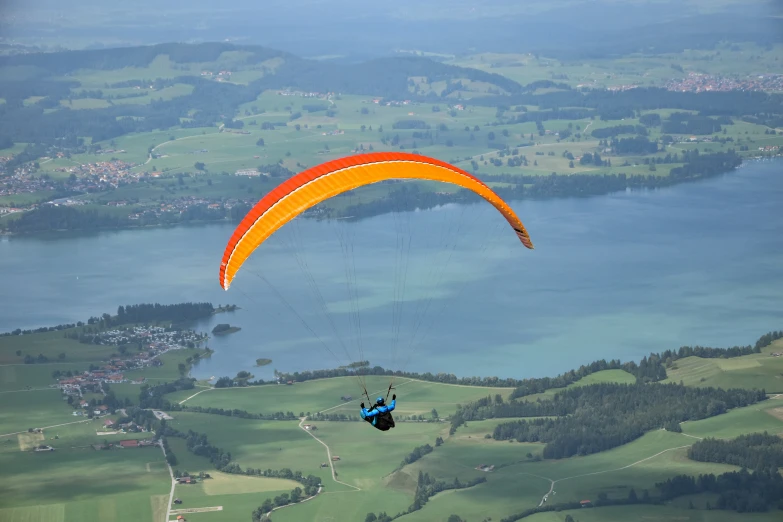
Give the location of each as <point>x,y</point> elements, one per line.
<point>380,414</point>
<point>317,184</point>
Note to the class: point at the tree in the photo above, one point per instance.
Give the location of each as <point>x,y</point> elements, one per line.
<point>370,517</point>
<point>571,164</point>
<point>491,136</point>
<point>454,518</point>
<point>18,353</point>
<point>199,166</point>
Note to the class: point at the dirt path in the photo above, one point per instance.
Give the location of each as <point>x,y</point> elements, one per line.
<point>555,481</point>
<point>149,156</point>
<point>202,391</point>
<point>328,454</point>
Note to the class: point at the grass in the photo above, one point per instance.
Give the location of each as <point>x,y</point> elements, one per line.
<point>605,376</point>
<point>33,409</point>
<point>257,444</point>
<point>637,69</point>
<point>414,397</point>
<point>17,377</point>
<point>760,371</point>
<point>20,200</point>
<point>77,483</point>
<point>50,344</point>
<point>751,419</point>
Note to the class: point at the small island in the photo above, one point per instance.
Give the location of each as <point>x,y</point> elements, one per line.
<point>225,328</point>
<point>263,362</point>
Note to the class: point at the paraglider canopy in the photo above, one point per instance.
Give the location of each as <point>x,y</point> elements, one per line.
<point>327,180</point>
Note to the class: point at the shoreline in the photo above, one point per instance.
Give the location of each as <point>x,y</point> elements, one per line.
<point>8,234</point>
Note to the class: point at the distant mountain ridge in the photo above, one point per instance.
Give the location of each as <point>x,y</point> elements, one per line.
<point>379,77</point>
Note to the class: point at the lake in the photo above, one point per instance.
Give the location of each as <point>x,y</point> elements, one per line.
<point>446,290</point>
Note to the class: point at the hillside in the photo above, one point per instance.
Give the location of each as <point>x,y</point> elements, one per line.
<point>262,442</point>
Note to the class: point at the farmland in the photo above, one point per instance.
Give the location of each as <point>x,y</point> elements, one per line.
<point>276,131</point>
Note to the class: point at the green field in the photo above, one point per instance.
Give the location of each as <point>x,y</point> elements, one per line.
<point>648,71</point>
<point>605,376</point>
<point>414,397</point>
<point>51,345</point>
<point>77,483</point>
<point>762,371</point>
<point>765,416</point>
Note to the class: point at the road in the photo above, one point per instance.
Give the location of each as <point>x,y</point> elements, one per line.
<point>173,484</point>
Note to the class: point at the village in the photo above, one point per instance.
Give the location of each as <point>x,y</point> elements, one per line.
<point>151,341</point>
<point>696,82</point>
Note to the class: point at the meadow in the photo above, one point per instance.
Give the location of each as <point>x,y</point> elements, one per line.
<point>77,483</point>
<point>762,370</point>
<point>646,71</point>
<point>323,395</point>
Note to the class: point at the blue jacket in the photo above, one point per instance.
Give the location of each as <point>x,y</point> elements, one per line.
<point>377,410</point>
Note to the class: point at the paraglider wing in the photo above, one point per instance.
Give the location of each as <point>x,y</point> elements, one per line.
<point>314,185</point>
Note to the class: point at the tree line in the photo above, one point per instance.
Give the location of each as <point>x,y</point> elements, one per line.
<point>651,368</point>
<point>553,186</point>
<point>739,491</point>
<point>591,419</point>
<point>757,451</point>
<point>763,106</point>
<point>49,217</point>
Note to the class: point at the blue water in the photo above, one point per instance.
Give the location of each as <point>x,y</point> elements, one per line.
<point>614,276</point>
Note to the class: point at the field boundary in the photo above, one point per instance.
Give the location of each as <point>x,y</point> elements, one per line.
<point>185,511</point>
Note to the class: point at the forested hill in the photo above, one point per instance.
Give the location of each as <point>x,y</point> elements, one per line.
<point>379,77</point>
<point>54,79</point>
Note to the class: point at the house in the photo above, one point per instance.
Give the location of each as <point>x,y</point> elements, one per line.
<point>586,503</point>
<point>289,383</point>
<point>83,403</point>
<point>103,408</point>
<point>108,423</point>
<point>335,458</point>
<point>309,427</point>
<point>186,480</point>
<point>129,443</point>
<point>177,501</point>
<point>247,172</point>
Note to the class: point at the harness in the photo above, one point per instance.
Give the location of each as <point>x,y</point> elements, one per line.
<point>383,421</point>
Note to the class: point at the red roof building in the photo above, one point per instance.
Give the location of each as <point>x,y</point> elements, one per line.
<point>129,443</point>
